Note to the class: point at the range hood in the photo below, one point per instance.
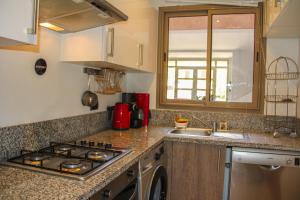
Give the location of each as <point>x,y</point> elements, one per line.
<point>67,16</point>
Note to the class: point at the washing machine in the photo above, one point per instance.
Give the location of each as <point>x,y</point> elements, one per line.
<point>153,175</point>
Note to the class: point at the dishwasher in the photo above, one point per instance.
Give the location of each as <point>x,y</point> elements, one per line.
<point>261,175</point>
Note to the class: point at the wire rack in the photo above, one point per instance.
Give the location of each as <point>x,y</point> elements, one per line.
<point>281,97</point>
<point>282,76</point>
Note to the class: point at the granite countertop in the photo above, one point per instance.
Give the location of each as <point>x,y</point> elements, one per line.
<point>23,184</point>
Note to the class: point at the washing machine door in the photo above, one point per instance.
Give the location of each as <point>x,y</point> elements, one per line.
<point>159,184</point>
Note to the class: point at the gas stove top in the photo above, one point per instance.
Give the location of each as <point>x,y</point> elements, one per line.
<point>78,160</point>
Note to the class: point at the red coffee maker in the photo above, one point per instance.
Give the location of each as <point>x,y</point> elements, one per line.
<point>121,116</point>
<point>142,101</point>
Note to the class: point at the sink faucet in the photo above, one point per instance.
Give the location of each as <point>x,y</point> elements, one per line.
<point>214,125</point>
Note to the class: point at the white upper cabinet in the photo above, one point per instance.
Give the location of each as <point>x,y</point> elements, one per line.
<point>88,45</point>
<point>135,40</point>
<point>129,44</point>
<point>19,20</point>
<point>281,18</point>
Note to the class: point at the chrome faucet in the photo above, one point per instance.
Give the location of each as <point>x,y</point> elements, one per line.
<point>214,126</point>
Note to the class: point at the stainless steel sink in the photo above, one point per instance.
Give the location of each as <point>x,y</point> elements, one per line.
<point>207,133</point>
<point>192,131</point>
<point>230,135</point>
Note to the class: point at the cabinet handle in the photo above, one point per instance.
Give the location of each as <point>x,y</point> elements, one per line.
<point>111,41</point>
<point>219,156</point>
<point>35,17</point>
<point>141,55</point>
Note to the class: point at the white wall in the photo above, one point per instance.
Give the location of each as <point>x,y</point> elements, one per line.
<point>142,82</point>
<point>26,97</point>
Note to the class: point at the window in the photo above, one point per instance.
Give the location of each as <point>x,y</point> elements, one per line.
<point>209,57</point>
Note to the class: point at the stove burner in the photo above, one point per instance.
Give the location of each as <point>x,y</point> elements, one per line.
<point>63,149</point>
<point>97,155</point>
<point>70,160</point>
<point>34,159</point>
<point>71,166</point>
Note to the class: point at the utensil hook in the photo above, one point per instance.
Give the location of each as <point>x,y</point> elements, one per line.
<point>89,82</point>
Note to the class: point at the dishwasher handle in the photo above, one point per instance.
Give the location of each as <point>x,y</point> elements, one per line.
<point>265,159</point>
<point>269,167</point>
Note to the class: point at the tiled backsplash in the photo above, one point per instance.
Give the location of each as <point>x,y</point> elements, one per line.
<point>247,121</point>
<point>37,135</point>
<point>241,121</point>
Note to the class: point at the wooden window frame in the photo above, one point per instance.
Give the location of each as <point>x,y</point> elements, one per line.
<point>208,10</point>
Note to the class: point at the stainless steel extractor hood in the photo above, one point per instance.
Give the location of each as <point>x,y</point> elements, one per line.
<point>68,16</point>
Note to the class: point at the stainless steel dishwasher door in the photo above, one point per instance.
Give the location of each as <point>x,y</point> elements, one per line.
<point>264,175</point>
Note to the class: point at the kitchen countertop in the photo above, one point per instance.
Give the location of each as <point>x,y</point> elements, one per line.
<point>23,184</point>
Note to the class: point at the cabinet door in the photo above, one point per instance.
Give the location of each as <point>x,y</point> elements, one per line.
<point>85,45</point>
<point>122,48</point>
<point>135,40</point>
<point>210,169</point>
<point>18,22</point>
<point>146,23</point>
<point>184,172</point>
<point>197,171</point>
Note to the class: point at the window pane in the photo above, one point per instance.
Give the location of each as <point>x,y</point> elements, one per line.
<point>222,63</point>
<point>184,94</point>
<point>171,63</point>
<point>201,94</point>
<point>191,63</point>
<point>233,52</point>
<point>188,84</point>
<point>201,84</point>
<point>185,73</point>
<point>171,83</point>
<point>202,74</point>
<point>221,84</point>
<point>187,45</point>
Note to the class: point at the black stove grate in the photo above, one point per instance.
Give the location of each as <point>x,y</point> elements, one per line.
<point>53,161</point>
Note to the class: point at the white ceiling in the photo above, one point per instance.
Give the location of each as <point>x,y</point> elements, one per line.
<point>160,3</point>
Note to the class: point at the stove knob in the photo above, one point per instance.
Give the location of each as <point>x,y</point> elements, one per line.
<point>82,142</point>
<point>289,161</point>
<point>157,156</point>
<point>106,193</point>
<point>162,150</point>
<point>100,144</point>
<point>108,146</point>
<point>130,173</point>
<point>91,144</point>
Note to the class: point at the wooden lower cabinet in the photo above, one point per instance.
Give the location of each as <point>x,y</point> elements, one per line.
<point>195,171</point>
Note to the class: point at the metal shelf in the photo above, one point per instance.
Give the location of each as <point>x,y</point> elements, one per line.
<point>282,76</point>
<point>280,72</point>
<point>281,98</point>
<point>280,119</point>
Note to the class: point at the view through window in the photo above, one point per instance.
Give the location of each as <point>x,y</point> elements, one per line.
<point>187,79</point>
